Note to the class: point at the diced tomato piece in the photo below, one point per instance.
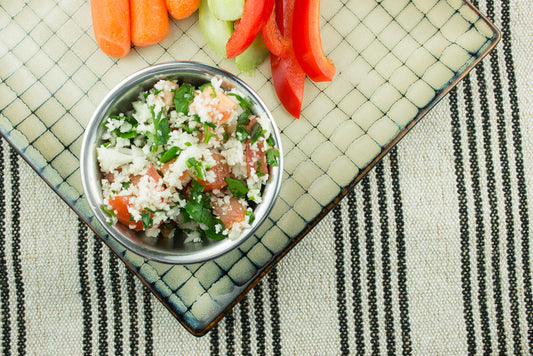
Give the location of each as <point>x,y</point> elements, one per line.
<point>221,103</point>
<point>110,177</point>
<point>119,204</point>
<point>165,168</point>
<point>221,170</point>
<point>151,172</point>
<point>231,213</point>
<point>256,159</point>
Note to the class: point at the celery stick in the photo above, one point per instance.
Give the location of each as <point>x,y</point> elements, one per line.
<point>216,32</point>
<point>227,10</point>
<point>253,56</point>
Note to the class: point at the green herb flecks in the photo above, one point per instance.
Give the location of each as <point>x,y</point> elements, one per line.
<point>161,127</point>
<point>213,91</point>
<point>244,118</point>
<point>126,185</point>
<point>213,234</point>
<point>188,129</point>
<point>131,133</point>
<point>183,97</point>
<point>197,167</point>
<point>208,133</point>
<point>256,132</point>
<point>251,217</point>
<point>241,134</point>
<point>272,157</point>
<point>244,103</point>
<point>198,208</point>
<point>237,187</point>
<point>146,219</point>
<point>170,154</point>
<point>110,213</point>
<point>270,141</point>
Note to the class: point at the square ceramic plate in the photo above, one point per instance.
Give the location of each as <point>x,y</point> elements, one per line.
<point>395,60</point>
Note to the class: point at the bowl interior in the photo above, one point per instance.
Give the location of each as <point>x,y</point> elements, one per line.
<point>169,250</point>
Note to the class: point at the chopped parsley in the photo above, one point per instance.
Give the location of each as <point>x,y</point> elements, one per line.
<point>197,167</point>
<point>160,137</point>
<point>110,213</point>
<point>241,134</point>
<point>206,85</point>
<point>244,117</point>
<point>126,185</point>
<point>237,188</point>
<point>187,128</point>
<point>198,208</point>
<point>131,133</point>
<point>208,134</point>
<point>255,132</point>
<point>183,97</point>
<point>244,103</point>
<point>170,154</point>
<point>270,141</point>
<point>251,217</point>
<point>146,219</point>
<point>272,156</point>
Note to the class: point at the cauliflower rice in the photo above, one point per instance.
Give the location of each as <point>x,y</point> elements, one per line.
<point>186,159</point>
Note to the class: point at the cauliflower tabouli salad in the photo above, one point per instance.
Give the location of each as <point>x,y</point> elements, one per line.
<point>191,159</point>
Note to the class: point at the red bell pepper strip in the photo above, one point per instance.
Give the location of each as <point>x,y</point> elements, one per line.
<point>307,42</point>
<point>288,79</point>
<point>287,75</point>
<point>272,36</point>
<point>254,16</point>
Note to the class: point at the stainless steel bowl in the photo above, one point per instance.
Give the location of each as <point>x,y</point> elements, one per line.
<point>168,250</point>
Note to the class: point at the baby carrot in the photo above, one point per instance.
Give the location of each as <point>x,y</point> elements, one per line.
<point>180,9</point>
<point>111,26</point>
<point>149,21</point>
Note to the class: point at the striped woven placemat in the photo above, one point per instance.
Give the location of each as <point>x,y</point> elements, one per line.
<point>429,254</point>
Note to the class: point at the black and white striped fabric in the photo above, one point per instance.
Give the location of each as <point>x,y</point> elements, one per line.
<point>430,254</point>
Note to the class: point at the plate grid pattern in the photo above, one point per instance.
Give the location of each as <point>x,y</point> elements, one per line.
<point>393,58</point>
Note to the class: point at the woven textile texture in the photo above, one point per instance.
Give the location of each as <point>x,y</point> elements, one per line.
<point>431,252</point>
